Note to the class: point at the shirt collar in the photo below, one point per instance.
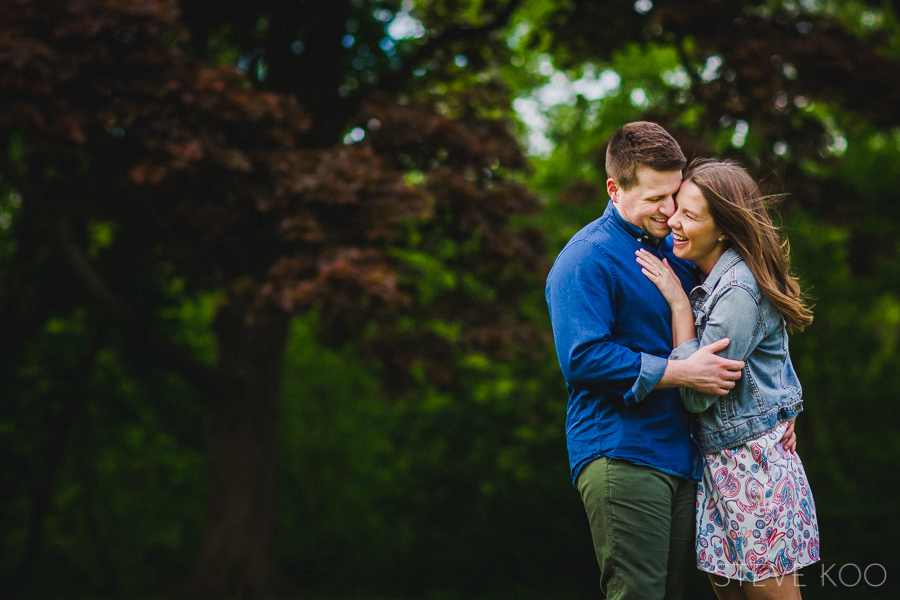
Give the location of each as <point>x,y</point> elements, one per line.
<point>632,230</point>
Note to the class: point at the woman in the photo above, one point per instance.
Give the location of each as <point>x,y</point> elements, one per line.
<point>756,521</point>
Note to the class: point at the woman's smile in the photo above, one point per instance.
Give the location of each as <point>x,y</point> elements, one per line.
<point>695,235</point>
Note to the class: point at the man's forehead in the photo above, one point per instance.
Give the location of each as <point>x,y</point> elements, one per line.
<point>663,182</point>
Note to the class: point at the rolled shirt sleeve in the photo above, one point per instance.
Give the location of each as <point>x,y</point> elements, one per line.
<point>652,369</point>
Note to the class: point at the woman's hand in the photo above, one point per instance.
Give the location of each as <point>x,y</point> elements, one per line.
<point>789,439</point>
<point>662,275</point>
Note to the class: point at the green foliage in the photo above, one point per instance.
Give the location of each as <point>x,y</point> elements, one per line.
<point>115,465</point>
<point>848,358</point>
<point>459,488</point>
<point>431,483</point>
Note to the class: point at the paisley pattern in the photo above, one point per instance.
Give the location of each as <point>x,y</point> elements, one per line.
<point>755,513</point>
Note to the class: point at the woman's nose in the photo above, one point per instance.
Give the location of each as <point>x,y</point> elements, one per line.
<point>673,221</point>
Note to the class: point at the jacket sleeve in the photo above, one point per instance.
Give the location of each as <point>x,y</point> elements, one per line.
<point>581,296</point>
<point>735,315</point>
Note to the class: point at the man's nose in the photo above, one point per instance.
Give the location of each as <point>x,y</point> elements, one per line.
<point>668,206</point>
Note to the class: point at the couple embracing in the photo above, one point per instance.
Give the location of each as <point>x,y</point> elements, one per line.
<point>671,315</point>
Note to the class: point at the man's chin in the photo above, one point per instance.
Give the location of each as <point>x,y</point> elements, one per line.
<point>660,231</point>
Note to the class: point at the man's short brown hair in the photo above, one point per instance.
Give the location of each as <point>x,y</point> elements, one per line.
<point>641,143</point>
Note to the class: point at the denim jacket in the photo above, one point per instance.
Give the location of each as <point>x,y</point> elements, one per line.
<point>730,304</point>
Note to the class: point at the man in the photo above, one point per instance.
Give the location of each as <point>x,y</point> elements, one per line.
<point>631,453</point>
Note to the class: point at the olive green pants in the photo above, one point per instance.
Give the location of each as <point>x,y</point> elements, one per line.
<point>642,524</point>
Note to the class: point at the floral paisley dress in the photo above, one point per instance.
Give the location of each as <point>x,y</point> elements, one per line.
<point>755,513</point>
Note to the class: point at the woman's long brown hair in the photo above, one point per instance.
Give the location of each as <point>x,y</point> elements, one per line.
<point>739,210</point>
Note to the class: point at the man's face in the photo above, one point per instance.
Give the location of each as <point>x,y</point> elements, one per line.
<point>650,203</point>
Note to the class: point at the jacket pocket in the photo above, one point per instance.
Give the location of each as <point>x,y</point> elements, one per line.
<point>727,408</point>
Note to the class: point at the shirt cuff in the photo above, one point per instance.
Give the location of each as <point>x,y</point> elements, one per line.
<point>686,349</point>
<point>652,369</point>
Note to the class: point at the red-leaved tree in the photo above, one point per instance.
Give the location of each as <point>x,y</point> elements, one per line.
<point>245,186</point>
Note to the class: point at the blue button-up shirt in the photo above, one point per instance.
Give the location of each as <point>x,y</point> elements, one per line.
<point>613,335</point>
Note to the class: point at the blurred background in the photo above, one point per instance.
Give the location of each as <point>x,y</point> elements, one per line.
<point>271,280</point>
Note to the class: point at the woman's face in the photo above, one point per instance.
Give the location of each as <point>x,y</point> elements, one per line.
<point>695,234</point>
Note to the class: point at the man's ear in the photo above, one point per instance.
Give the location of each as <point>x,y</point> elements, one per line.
<point>612,187</point>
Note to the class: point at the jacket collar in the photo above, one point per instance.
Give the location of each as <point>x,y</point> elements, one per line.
<point>725,262</point>
<point>633,231</point>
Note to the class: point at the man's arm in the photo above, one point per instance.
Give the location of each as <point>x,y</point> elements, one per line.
<point>703,371</point>
<point>581,292</point>
<point>735,317</point>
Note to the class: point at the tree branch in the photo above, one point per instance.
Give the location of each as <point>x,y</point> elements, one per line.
<point>686,62</point>
<point>138,336</point>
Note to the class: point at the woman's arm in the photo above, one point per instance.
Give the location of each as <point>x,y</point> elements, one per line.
<point>736,316</point>
<point>662,275</point>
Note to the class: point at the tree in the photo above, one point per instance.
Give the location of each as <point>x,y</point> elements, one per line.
<point>358,163</point>
<point>302,180</point>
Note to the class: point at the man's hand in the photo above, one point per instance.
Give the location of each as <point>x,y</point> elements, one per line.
<point>713,374</point>
<point>789,439</point>
<point>704,371</point>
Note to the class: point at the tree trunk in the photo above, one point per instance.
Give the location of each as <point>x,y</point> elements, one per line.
<point>237,558</point>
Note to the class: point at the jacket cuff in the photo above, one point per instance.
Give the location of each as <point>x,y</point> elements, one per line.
<point>652,369</point>
<point>686,349</point>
